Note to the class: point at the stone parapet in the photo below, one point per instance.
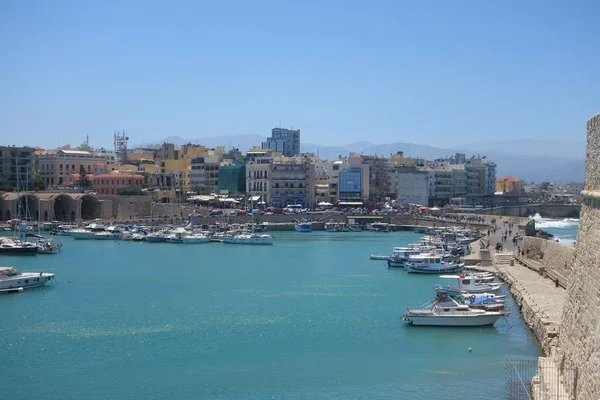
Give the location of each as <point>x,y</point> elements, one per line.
<point>555,256</point>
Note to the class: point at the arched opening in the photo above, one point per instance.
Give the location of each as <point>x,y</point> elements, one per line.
<point>63,205</point>
<point>27,207</point>
<point>45,215</point>
<point>72,215</point>
<point>90,207</point>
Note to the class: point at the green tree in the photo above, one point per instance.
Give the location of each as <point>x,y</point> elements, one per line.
<point>132,191</point>
<point>38,183</point>
<point>84,181</point>
<point>197,189</point>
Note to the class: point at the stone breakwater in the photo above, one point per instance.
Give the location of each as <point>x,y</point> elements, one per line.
<point>540,301</point>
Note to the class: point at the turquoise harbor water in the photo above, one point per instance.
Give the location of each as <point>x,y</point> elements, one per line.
<point>310,317</point>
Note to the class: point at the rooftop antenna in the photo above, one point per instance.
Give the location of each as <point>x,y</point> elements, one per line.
<point>121,146</point>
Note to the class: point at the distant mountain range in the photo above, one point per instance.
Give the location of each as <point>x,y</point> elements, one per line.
<point>528,159</point>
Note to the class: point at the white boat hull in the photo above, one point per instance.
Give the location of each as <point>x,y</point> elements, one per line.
<point>82,235</point>
<point>249,240</point>
<point>196,240</point>
<point>432,320</point>
<point>26,280</point>
<point>110,236</point>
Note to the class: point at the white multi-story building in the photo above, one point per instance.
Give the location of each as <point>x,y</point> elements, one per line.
<point>415,187</point>
<point>258,174</point>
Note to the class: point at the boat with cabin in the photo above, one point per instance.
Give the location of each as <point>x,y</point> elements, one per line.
<point>431,264</point>
<point>446,311</point>
<point>195,238</point>
<point>10,247</point>
<point>247,237</point>
<point>467,284</point>
<point>11,279</point>
<point>305,227</point>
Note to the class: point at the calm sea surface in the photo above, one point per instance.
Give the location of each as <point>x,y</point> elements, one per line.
<point>310,317</point>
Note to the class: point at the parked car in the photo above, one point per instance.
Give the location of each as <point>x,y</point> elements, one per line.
<point>214,213</point>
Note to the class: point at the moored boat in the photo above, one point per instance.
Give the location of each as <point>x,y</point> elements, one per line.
<point>244,237</point>
<point>303,227</point>
<point>10,278</point>
<point>448,312</point>
<point>17,247</point>
<point>467,284</point>
<point>195,238</point>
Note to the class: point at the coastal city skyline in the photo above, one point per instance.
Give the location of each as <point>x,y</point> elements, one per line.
<point>446,75</point>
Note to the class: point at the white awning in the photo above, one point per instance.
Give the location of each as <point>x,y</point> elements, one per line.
<point>254,198</point>
<point>350,203</point>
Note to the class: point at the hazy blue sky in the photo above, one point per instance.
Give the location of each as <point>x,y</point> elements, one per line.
<point>434,72</point>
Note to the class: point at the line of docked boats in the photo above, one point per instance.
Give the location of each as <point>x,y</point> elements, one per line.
<point>433,254</point>
<point>254,235</point>
<point>306,227</point>
<point>472,301</point>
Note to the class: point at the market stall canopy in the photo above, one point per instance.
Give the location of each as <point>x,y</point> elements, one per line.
<point>325,204</point>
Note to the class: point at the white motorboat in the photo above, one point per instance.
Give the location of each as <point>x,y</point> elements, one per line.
<point>111,233</point>
<point>331,227</point>
<point>82,234</point>
<point>11,279</point>
<point>195,238</point>
<point>401,255</point>
<point>354,228</point>
<point>138,237</point>
<point>16,247</point>
<point>431,264</point>
<point>449,312</point>
<point>466,284</point>
<point>176,236</point>
<point>242,237</point>
<point>303,227</point>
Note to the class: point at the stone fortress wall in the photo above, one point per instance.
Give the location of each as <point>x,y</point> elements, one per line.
<point>578,355</point>
<point>554,256</point>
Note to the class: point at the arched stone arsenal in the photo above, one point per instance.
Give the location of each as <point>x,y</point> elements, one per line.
<point>579,340</point>
<point>50,206</point>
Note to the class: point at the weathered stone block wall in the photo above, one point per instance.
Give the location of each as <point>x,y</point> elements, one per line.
<point>579,352</point>
<point>554,256</point>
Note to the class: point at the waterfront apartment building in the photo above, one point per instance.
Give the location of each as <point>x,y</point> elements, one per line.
<point>258,175</point>
<point>16,164</point>
<point>284,141</point>
<point>291,181</point>
<point>415,186</point>
<point>204,173</point>
<point>56,169</point>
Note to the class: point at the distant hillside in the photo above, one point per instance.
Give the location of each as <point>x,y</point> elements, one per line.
<point>531,160</point>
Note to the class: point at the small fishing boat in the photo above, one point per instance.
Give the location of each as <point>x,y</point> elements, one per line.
<point>467,284</point>
<point>431,264</point>
<point>48,247</point>
<point>379,257</point>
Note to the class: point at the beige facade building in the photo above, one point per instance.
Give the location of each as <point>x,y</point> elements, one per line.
<point>258,174</point>
<point>292,181</point>
<point>56,169</point>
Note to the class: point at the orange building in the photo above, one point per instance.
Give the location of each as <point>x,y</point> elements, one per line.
<point>113,183</point>
<point>509,185</point>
